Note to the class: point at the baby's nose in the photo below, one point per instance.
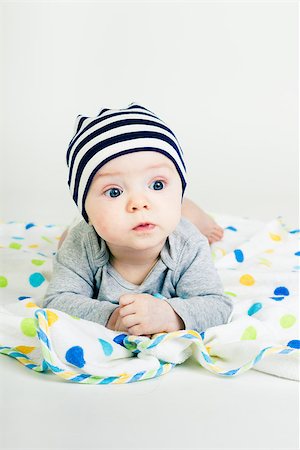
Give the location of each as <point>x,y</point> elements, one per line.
<point>138,203</point>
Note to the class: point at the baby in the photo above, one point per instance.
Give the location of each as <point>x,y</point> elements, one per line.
<point>134,264</point>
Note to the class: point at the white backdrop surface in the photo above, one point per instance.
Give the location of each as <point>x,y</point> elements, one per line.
<point>222,74</point>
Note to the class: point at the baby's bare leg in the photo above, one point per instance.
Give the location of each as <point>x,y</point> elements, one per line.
<point>202,220</point>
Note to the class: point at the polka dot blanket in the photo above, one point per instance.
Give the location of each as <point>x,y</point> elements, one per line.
<point>257,263</point>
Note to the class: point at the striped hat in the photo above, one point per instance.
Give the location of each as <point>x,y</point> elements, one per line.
<point>116,132</point>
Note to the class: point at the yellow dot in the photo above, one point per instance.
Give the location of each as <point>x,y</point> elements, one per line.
<point>52,317</point>
<point>275,237</point>
<point>270,250</point>
<point>247,280</point>
<point>24,349</point>
<point>31,305</point>
<point>33,246</point>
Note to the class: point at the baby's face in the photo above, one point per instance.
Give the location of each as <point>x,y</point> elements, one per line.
<point>142,187</point>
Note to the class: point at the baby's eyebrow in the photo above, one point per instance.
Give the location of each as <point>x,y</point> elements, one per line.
<point>112,174</point>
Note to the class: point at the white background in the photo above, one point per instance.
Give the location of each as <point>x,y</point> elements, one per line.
<point>223,75</point>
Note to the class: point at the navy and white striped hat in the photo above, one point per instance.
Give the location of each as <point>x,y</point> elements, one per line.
<point>116,132</point>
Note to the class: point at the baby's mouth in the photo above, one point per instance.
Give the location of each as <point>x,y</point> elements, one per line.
<point>146,226</point>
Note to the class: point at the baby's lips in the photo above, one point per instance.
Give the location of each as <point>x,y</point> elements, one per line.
<point>144,225</point>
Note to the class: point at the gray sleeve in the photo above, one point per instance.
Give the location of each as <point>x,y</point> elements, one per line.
<point>71,287</point>
<point>201,302</point>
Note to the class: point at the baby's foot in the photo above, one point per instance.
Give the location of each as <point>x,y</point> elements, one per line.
<point>202,220</point>
<point>215,233</point>
<point>210,228</point>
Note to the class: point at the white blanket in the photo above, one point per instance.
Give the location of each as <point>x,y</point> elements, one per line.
<point>257,262</point>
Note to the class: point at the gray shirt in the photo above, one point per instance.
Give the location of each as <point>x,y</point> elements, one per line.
<point>86,285</point>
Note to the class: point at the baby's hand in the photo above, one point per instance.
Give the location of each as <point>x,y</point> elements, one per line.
<point>144,314</point>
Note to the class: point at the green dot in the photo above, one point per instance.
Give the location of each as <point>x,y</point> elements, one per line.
<point>232,294</point>
<point>47,239</point>
<point>249,334</point>
<point>3,281</point>
<point>28,327</point>
<point>37,262</point>
<point>15,245</point>
<point>287,321</point>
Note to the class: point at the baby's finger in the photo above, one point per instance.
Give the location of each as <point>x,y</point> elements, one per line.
<point>127,309</point>
<point>130,321</point>
<point>126,299</point>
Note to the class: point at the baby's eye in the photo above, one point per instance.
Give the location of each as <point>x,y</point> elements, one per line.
<point>113,192</point>
<point>157,185</point>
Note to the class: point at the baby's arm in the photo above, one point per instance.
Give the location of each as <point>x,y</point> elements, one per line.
<point>200,300</point>
<point>71,288</point>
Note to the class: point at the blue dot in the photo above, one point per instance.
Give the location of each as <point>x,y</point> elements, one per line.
<point>231,228</point>
<point>120,339</point>
<point>23,298</point>
<point>294,231</point>
<point>106,346</point>
<point>239,256</point>
<point>36,279</point>
<point>29,225</point>
<point>294,344</point>
<point>75,356</point>
<point>277,299</point>
<point>297,253</point>
<point>254,308</point>
<point>281,290</point>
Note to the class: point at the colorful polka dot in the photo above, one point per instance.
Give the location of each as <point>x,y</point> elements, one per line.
<point>119,339</point>
<point>52,317</point>
<point>24,349</point>
<point>295,343</point>
<point>265,262</point>
<point>287,321</point>
<point>249,334</point>
<point>247,280</point>
<point>277,299</point>
<point>3,282</point>
<point>28,327</point>
<point>15,245</point>
<point>45,238</point>
<point>38,262</point>
<point>232,294</point>
<point>75,356</point>
<point>106,346</point>
<point>254,308</point>
<point>281,290</point>
<point>239,256</point>
<point>275,237</point>
<point>30,305</point>
<point>36,279</point>
<point>29,225</point>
